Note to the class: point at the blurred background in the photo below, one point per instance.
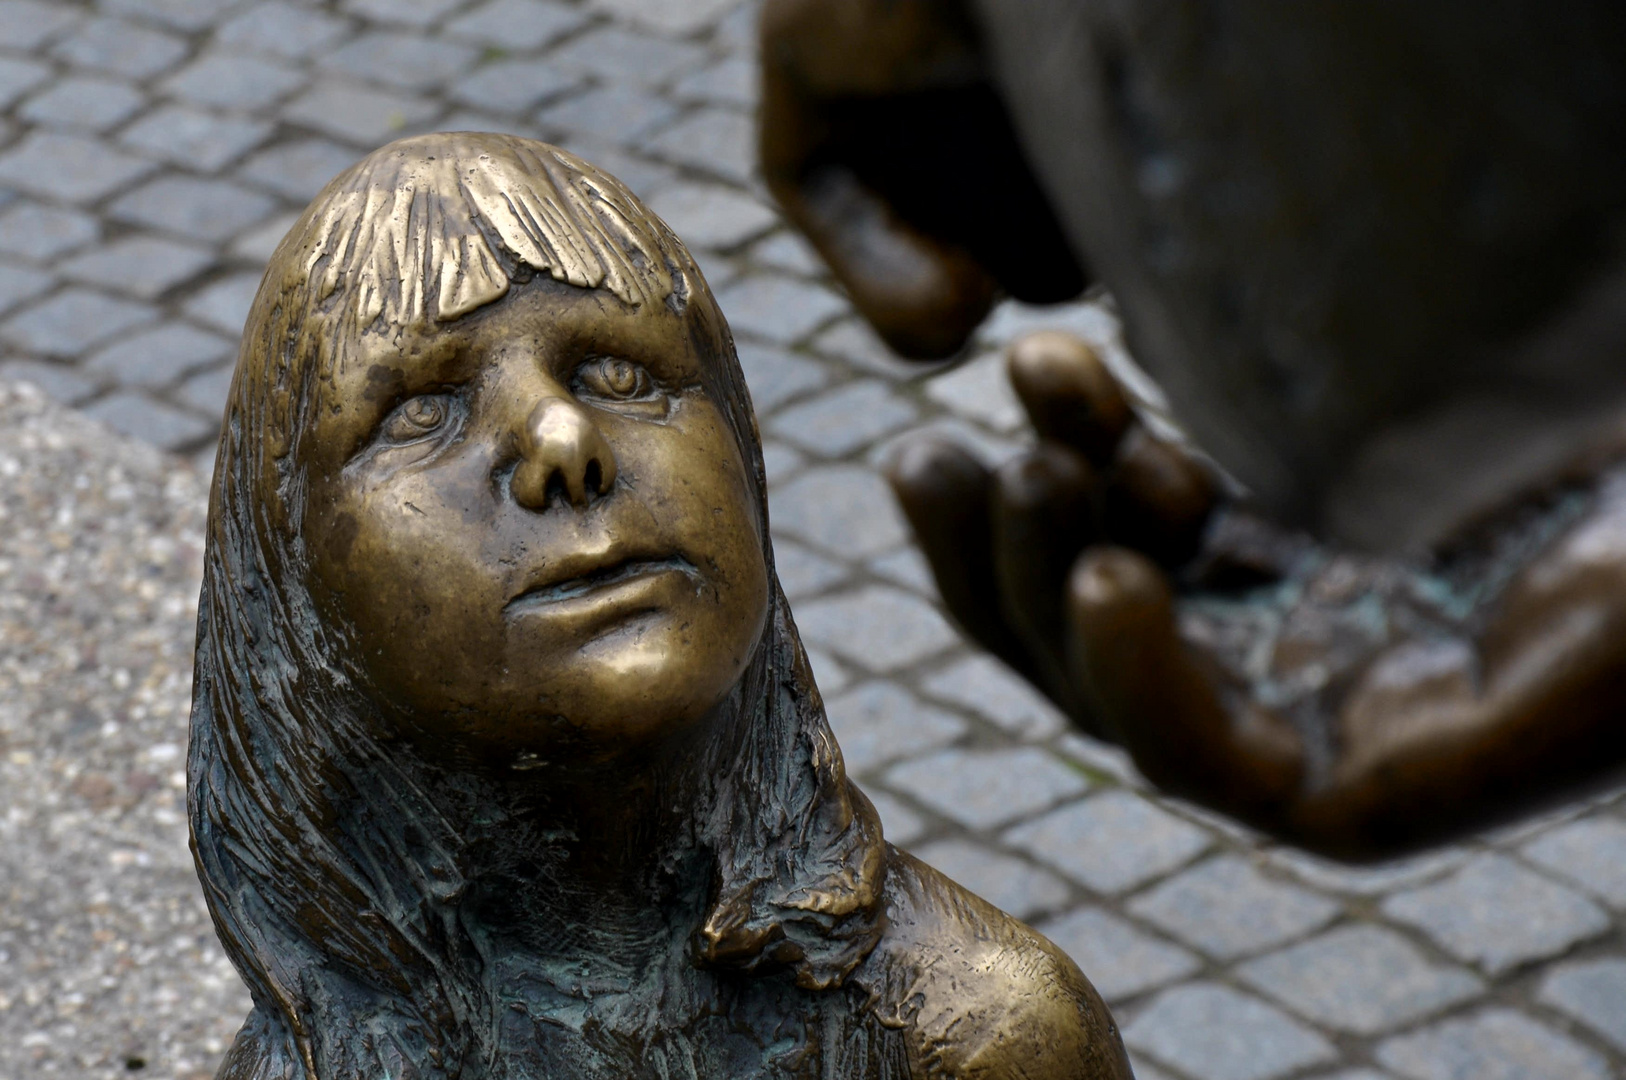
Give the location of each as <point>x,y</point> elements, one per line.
<point>152,153</point>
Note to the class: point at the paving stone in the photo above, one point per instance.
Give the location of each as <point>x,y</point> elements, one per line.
<point>732,82</point>
<point>781,462</point>
<point>845,419</point>
<point>1228,909</point>
<point>517,24</point>
<point>28,24</point>
<point>19,283</point>
<point>996,693</point>
<point>141,417</point>
<point>1593,992</point>
<point>828,674</point>
<point>1349,1074</point>
<point>234,82</point>
<point>1591,853</point>
<point>224,305</point>
<point>1119,960</point>
<point>257,245</point>
<point>1100,757</point>
<point>1111,842</point>
<point>143,266</point>
<point>784,250</point>
<point>802,572</point>
<point>512,85</point>
<point>778,308</point>
<point>980,390</point>
<point>853,342</point>
<point>718,141</point>
<point>901,825</point>
<point>712,216</point>
<point>203,141</point>
<point>1373,880</point>
<point>984,789</point>
<point>616,55</point>
<point>44,232</point>
<point>775,375</point>
<point>679,20</point>
<point>120,47</point>
<point>1359,978</point>
<point>1212,1032</point>
<point>876,627</point>
<point>18,77</point>
<point>59,381</point>
<point>1498,914</point>
<point>642,175</point>
<point>87,102</point>
<point>415,13</point>
<point>205,209</point>
<point>283,29</point>
<point>157,357</point>
<point>207,391</point>
<point>1143,1071</point>
<point>1497,1044</point>
<point>1008,883</point>
<point>407,61</point>
<point>359,113</point>
<point>72,321</point>
<point>880,722</point>
<point>69,167</point>
<point>185,15</point>
<point>907,567</point>
<point>846,510</point>
<point>300,169</point>
<point>612,113</point>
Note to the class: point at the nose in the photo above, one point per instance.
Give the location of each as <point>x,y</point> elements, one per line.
<point>561,449</point>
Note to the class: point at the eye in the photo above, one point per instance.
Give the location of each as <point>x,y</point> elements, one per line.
<point>417,417</point>
<point>614,379</point>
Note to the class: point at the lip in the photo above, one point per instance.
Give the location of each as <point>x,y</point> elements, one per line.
<point>596,583</point>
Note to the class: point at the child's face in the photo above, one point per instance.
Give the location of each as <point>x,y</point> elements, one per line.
<point>537,524</point>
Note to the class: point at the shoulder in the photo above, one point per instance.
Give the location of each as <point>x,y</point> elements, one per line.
<point>979,995</point>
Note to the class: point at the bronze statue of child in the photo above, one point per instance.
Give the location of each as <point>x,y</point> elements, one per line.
<point>506,759</point>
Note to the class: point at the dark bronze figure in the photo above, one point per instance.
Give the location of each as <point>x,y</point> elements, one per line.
<point>506,759</point>
<point>1373,253</point>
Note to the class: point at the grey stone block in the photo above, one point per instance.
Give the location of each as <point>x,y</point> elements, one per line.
<point>187,16</point>
<point>617,114</point>
<point>1211,1032</point>
<point>901,825</point>
<point>207,391</point>
<point>298,170</point>
<point>879,722</point>
<point>405,61</point>
<point>512,85</point>
<point>69,167</point>
<point>1361,978</point>
<point>517,24</point>
<point>224,305</point>
<point>195,139</point>
<point>283,28</point>
<point>787,251</point>
<point>853,342</point>
<point>1351,1074</point>
<point>846,510</point>
<point>28,24</point>
<point>1499,915</point>
<point>980,390</point>
<point>907,567</point>
<point>210,210</point>
<point>361,114</point>
<point>1593,992</point>
<point>732,82</point>
<point>1008,883</point>
<point>259,243</point>
<point>845,419</point>
<point>678,20</point>
<point>72,321</point>
<point>1373,880</point>
<point>44,232</point>
<point>984,789</point>
<point>59,381</point>
<point>87,102</point>
<point>876,627</point>
<point>803,573</point>
<point>134,414</point>
<point>618,56</point>
<point>711,215</point>
<point>143,266</point>
<point>781,462</point>
<point>1497,1044</point>
<point>159,356</point>
<point>718,141</point>
<point>418,14</point>
<point>226,81</point>
<point>120,47</point>
<point>1111,842</point>
<point>996,693</point>
<point>1228,909</point>
<point>828,675</point>
<point>1590,852</point>
<point>778,308</point>
<point>775,376</point>
<point>21,282</point>
<point>18,77</point>
<point>1119,960</point>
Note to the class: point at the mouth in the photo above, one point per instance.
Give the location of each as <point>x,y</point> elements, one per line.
<point>596,582</point>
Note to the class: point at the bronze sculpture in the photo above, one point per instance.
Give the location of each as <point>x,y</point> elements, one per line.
<point>1379,290</point>
<point>506,759</point>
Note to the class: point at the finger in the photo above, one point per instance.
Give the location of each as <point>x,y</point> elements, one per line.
<point>946,495</point>
<point>1157,700</point>
<point>1068,393</point>
<point>1157,499</point>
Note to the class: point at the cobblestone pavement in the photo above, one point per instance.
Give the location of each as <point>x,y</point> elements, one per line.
<point>151,154</point>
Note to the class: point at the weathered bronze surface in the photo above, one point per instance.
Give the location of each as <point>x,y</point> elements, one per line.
<point>506,759</point>
<point>1374,255</point>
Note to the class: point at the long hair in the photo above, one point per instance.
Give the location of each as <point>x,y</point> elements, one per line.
<point>333,873</point>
